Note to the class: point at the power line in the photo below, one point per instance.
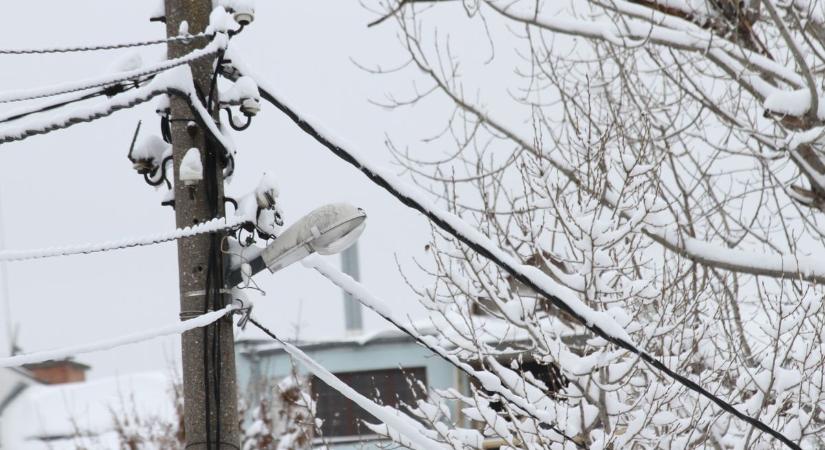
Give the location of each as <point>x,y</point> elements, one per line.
<point>84,114</point>
<point>126,100</point>
<point>133,338</point>
<point>391,417</point>
<point>359,292</point>
<point>91,48</point>
<point>536,280</point>
<point>212,226</point>
<point>19,114</point>
<point>215,45</point>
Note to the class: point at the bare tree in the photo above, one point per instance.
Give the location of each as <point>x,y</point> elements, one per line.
<point>662,159</point>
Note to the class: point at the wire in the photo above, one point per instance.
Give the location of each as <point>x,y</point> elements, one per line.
<point>91,48</point>
<point>84,114</point>
<point>21,114</point>
<point>213,47</point>
<point>235,126</point>
<point>359,292</point>
<point>535,280</point>
<point>133,338</point>
<point>399,422</point>
<point>212,226</point>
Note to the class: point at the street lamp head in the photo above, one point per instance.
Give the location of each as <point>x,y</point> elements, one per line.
<point>326,230</point>
<point>340,237</point>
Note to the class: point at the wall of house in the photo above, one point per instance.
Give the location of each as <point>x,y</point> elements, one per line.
<point>338,359</point>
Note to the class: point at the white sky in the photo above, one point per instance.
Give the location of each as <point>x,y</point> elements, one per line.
<point>77,186</point>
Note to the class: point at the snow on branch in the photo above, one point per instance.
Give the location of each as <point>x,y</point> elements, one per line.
<point>600,323</point>
<point>212,226</point>
<point>668,236</point>
<point>410,433</point>
<point>216,45</point>
<point>63,353</point>
<point>531,399</point>
<point>657,28</point>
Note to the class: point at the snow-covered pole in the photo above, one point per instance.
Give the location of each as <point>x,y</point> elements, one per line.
<point>209,390</point>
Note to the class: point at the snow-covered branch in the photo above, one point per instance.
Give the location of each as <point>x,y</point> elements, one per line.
<point>531,399</point>
<point>411,433</point>
<point>600,323</point>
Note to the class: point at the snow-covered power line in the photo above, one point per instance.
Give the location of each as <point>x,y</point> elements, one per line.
<point>409,431</point>
<point>91,48</point>
<point>214,225</point>
<point>360,293</point>
<point>172,329</point>
<point>82,114</point>
<point>177,81</point>
<point>600,323</point>
<point>217,44</point>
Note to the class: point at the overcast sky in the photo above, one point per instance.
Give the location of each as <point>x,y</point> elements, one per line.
<point>77,186</point>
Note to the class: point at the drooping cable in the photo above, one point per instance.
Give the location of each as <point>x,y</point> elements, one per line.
<point>83,114</point>
<point>15,115</point>
<point>360,293</point>
<point>211,226</point>
<point>533,279</point>
<point>234,125</point>
<point>214,46</point>
<point>133,338</point>
<point>404,425</point>
<point>91,48</point>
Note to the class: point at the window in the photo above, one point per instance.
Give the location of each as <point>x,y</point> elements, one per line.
<point>342,417</point>
<point>549,374</point>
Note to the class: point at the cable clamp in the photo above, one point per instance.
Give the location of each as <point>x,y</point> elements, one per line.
<point>191,314</point>
<point>244,309</point>
<point>203,293</point>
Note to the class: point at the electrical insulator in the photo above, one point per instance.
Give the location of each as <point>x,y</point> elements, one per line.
<point>250,107</point>
<point>245,16</point>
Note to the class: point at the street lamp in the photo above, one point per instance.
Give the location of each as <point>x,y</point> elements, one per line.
<point>326,230</point>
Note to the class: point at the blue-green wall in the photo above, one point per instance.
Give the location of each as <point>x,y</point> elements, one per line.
<point>342,357</point>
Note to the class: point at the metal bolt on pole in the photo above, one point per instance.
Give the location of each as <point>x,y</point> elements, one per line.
<point>210,393</point>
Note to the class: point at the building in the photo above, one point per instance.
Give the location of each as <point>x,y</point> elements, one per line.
<point>383,366</point>
<point>51,406</point>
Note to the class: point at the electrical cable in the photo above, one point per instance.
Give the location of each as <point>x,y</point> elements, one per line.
<point>84,114</point>
<point>235,126</point>
<point>91,48</point>
<point>19,95</point>
<point>486,248</point>
<point>211,226</point>
<point>49,107</point>
<point>214,269</point>
<point>358,291</point>
<point>108,344</point>
<point>392,421</point>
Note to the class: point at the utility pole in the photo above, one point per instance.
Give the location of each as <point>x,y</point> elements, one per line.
<point>209,390</point>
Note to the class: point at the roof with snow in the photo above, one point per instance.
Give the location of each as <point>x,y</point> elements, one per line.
<point>51,417</point>
<point>489,329</point>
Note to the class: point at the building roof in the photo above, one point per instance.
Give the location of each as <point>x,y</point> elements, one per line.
<point>48,417</point>
<point>54,363</point>
<point>385,336</point>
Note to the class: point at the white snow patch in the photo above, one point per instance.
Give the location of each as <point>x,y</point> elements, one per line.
<point>191,167</point>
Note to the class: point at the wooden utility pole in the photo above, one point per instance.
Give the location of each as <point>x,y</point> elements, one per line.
<point>209,391</point>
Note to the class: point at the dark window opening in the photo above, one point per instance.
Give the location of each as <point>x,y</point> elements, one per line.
<point>391,387</point>
<point>548,374</point>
